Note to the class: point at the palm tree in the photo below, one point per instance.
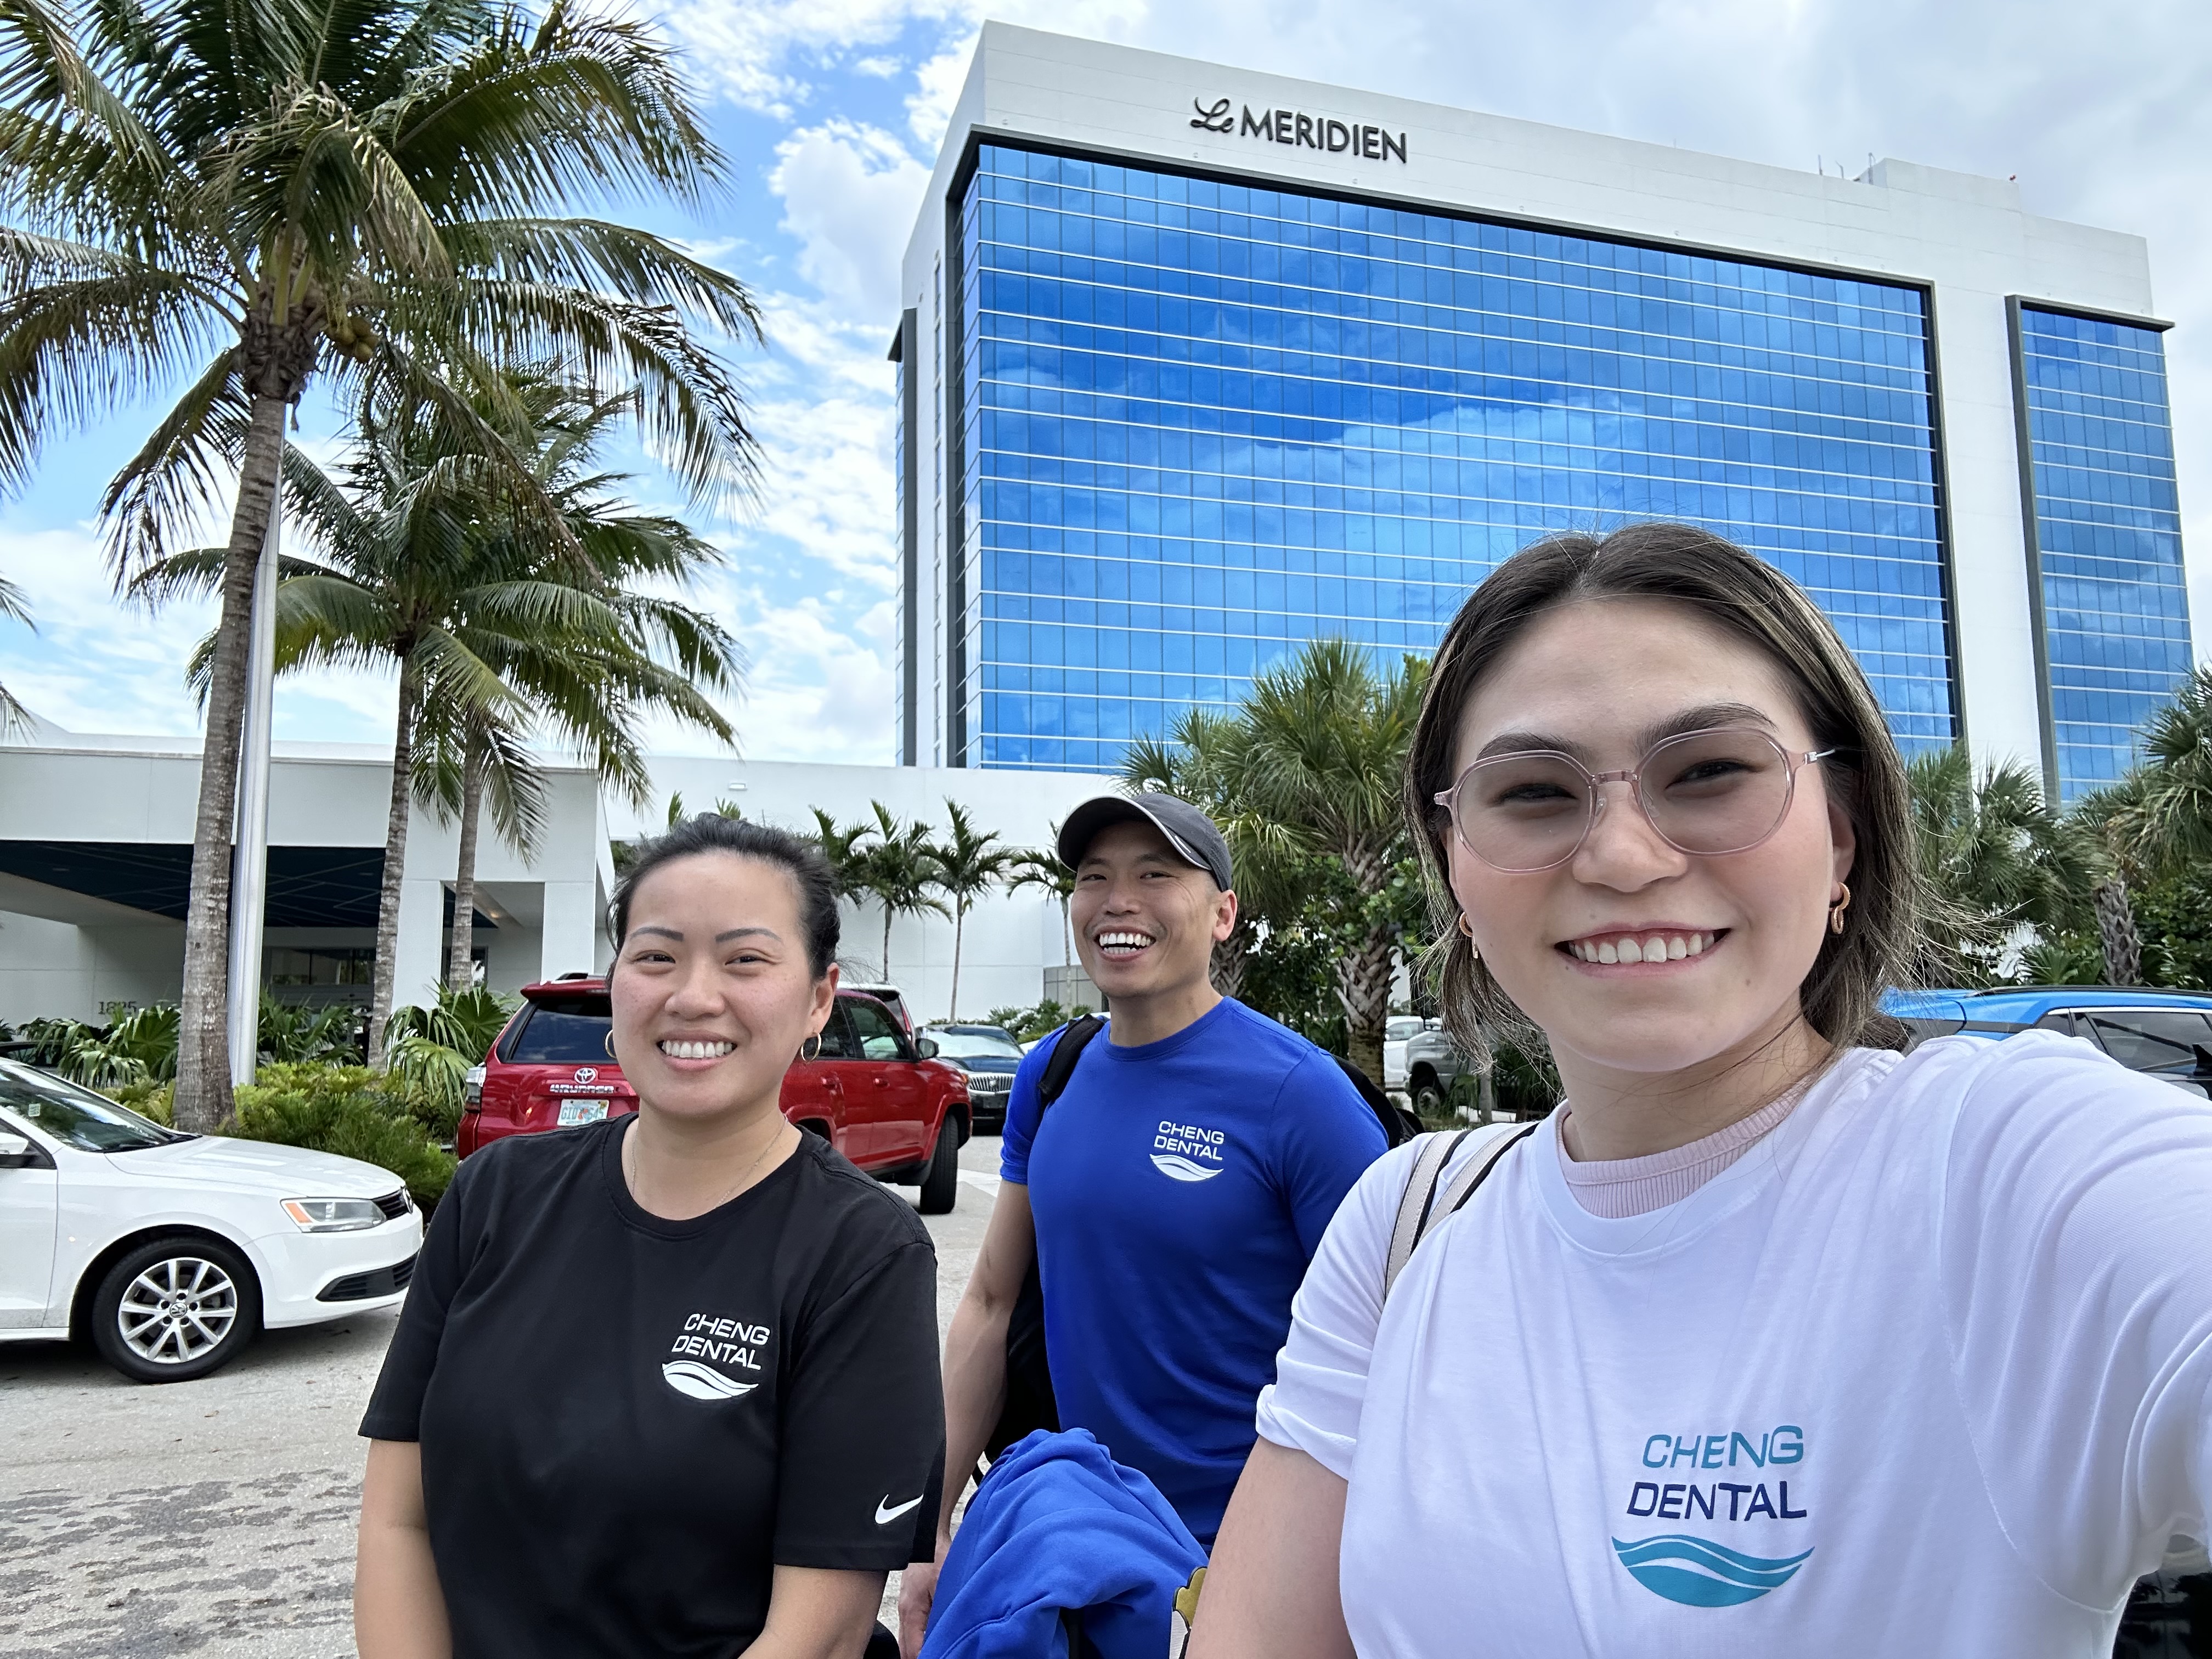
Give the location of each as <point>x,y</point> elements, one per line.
<point>1992,858</point>
<point>1324,750</point>
<point>492,768</point>
<point>2163,812</point>
<point>1204,762</point>
<point>431,563</point>
<point>246,199</point>
<point>900,869</point>
<point>566,427</point>
<point>845,851</point>
<point>1033,868</point>
<point>13,715</point>
<point>969,866</point>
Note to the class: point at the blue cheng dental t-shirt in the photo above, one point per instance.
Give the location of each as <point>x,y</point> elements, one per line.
<point>1179,1187</point>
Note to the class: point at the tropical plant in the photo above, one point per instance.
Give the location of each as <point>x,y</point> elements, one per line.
<point>1205,761</point>
<point>148,1036</point>
<point>430,1050</point>
<point>1993,860</point>
<point>249,197</point>
<point>1027,1024</point>
<point>1324,751</point>
<point>348,1110</point>
<point>901,868</point>
<point>427,559</point>
<point>970,864</point>
<point>300,1034</point>
<point>1034,868</point>
<point>845,851</point>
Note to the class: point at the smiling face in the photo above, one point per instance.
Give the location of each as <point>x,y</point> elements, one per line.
<point>712,991</point>
<point>1146,921</point>
<point>1632,956</point>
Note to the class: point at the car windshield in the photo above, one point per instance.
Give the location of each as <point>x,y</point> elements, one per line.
<point>558,1037</point>
<point>1398,1027</point>
<point>77,1117</point>
<point>973,1045</point>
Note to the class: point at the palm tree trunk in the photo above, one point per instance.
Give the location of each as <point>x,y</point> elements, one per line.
<point>1067,936</point>
<point>2115,930</point>
<point>1227,966</point>
<point>460,960</point>
<point>1362,982</point>
<point>202,1096</point>
<point>395,866</point>
<point>959,921</point>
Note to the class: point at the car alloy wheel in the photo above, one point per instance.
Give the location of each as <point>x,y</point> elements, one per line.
<point>177,1311</point>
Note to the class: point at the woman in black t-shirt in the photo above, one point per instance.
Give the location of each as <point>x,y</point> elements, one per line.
<point>668,1383</point>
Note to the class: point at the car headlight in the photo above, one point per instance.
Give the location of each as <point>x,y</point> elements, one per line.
<point>334,1215</point>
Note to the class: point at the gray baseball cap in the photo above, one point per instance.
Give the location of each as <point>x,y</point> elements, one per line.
<point>1189,831</point>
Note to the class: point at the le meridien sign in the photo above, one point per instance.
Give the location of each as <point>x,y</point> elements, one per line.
<point>1290,126</point>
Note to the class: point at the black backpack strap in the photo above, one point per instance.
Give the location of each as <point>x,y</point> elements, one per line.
<point>1423,1208</point>
<point>1060,1065</point>
<point>1029,1403</point>
<point>1399,1125</point>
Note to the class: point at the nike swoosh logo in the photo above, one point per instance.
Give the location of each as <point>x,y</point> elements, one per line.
<point>885,1514</point>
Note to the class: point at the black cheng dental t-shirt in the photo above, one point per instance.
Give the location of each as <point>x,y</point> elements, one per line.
<point>628,1423</point>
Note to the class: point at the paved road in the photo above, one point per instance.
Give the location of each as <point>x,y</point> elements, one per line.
<point>217,1518</point>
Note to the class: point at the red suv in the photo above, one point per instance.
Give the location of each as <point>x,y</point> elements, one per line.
<point>876,1094</point>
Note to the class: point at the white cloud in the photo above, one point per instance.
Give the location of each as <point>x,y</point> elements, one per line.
<point>820,685</point>
<point>850,194</point>
<point>758,51</point>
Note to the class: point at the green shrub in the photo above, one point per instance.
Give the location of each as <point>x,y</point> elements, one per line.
<point>350,1111</point>
<point>146,1098</point>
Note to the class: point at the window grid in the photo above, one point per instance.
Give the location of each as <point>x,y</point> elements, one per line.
<point>2108,536</point>
<point>1207,423</point>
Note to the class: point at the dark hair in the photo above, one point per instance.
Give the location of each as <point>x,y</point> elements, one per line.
<point>1742,593</point>
<point>710,832</point>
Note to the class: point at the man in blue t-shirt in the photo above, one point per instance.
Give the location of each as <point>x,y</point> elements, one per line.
<point>1173,1194</point>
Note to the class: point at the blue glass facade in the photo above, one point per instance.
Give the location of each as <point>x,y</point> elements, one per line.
<point>2115,613</point>
<point>1201,422</point>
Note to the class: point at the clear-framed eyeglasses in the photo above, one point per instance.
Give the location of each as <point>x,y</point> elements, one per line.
<point>1709,793</point>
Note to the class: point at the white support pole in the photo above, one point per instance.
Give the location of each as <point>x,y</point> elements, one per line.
<point>249,846</point>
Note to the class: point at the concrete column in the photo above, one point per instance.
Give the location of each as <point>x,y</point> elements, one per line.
<point>419,961</point>
<point>1996,642</point>
<point>568,944</point>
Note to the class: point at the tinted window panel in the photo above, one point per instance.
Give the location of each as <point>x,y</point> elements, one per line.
<point>2153,1039</point>
<point>552,1037</point>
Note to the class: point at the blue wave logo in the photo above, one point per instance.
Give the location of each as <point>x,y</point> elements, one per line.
<point>1699,1573</point>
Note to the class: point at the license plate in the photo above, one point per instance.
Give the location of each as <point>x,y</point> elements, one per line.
<point>573,1112</point>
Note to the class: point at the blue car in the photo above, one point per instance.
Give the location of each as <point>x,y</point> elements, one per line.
<point>2167,1034</point>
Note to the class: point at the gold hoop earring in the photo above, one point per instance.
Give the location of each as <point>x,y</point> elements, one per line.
<point>805,1058</point>
<point>1836,910</point>
<point>1468,931</point>
<point>611,1042</point>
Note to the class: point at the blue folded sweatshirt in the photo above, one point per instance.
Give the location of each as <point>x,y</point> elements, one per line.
<point>1058,1524</point>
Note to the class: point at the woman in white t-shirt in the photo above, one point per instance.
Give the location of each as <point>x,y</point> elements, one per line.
<point>1771,1339</point>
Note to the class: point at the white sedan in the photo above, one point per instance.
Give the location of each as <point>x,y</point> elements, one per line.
<point>171,1251</point>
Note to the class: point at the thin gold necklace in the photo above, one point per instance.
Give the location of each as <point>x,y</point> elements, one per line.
<point>630,1173</point>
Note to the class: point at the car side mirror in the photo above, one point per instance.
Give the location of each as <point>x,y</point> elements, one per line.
<point>17,1152</point>
<point>926,1048</point>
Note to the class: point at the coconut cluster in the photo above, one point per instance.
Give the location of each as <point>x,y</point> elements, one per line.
<point>353,337</point>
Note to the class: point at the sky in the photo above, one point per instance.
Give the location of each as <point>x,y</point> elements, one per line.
<point>832,111</point>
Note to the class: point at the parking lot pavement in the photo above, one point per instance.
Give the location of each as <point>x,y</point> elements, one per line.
<point>215,1518</point>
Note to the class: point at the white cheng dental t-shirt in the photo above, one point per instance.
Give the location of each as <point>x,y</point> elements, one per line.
<point>1927,1372</point>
